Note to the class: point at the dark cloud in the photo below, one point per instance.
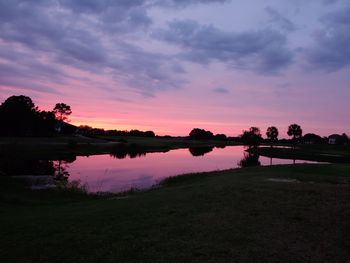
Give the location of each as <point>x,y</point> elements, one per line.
<point>282,22</point>
<point>221,90</point>
<point>331,50</point>
<point>264,51</point>
<point>184,3</point>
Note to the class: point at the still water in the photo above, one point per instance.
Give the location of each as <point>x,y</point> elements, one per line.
<point>113,173</point>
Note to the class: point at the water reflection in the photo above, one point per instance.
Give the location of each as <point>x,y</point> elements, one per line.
<point>249,159</point>
<point>61,169</point>
<point>122,154</point>
<point>57,169</point>
<point>16,166</point>
<point>200,151</point>
<point>115,172</point>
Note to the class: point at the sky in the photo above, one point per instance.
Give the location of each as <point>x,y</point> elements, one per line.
<point>173,65</point>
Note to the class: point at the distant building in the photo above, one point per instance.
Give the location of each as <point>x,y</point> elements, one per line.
<point>335,139</point>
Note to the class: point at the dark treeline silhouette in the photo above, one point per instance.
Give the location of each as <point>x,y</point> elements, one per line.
<point>201,134</point>
<point>252,137</point>
<point>20,117</point>
<point>311,138</point>
<point>92,132</point>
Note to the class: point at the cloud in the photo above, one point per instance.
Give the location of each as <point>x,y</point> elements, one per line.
<point>185,3</point>
<point>221,90</point>
<point>92,36</point>
<point>328,2</point>
<point>276,18</point>
<point>264,51</point>
<point>331,50</point>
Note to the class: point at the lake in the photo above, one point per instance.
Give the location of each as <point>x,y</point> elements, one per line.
<point>116,173</point>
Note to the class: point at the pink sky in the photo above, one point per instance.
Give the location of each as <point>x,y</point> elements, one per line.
<point>223,66</point>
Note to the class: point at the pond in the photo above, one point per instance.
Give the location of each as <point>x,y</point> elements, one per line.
<point>121,171</point>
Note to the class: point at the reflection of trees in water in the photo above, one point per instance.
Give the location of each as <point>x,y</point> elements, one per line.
<point>23,167</point>
<point>16,166</point>
<point>200,151</point>
<point>61,169</point>
<point>122,154</point>
<point>249,159</point>
<point>220,146</point>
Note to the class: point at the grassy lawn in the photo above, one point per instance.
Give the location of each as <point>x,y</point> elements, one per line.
<point>287,213</point>
<point>61,147</point>
<point>314,152</point>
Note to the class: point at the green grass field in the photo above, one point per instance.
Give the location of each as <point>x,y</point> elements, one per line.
<point>297,213</point>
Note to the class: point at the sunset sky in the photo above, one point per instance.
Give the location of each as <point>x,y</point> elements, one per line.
<point>173,65</point>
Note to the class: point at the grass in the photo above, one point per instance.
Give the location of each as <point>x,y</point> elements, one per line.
<point>320,153</point>
<point>228,216</point>
<point>64,147</point>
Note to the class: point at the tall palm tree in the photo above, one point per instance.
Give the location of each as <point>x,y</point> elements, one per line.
<point>295,131</point>
<point>272,134</point>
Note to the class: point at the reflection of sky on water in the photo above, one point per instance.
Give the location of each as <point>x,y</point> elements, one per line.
<point>105,173</point>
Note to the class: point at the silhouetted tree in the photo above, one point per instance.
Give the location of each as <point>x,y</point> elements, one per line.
<point>17,115</point>
<point>311,138</point>
<point>45,123</point>
<point>220,137</point>
<point>201,134</point>
<point>62,111</point>
<point>149,134</point>
<point>295,131</point>
<point>345,138</point>
<point>252,138</point>
<point>20,117</point>
<point>140,133</point>
<point>272,134</point>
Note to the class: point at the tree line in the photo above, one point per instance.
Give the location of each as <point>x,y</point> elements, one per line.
<point>93,132</point>
<point>20,117</point>
<point>253,137</point>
